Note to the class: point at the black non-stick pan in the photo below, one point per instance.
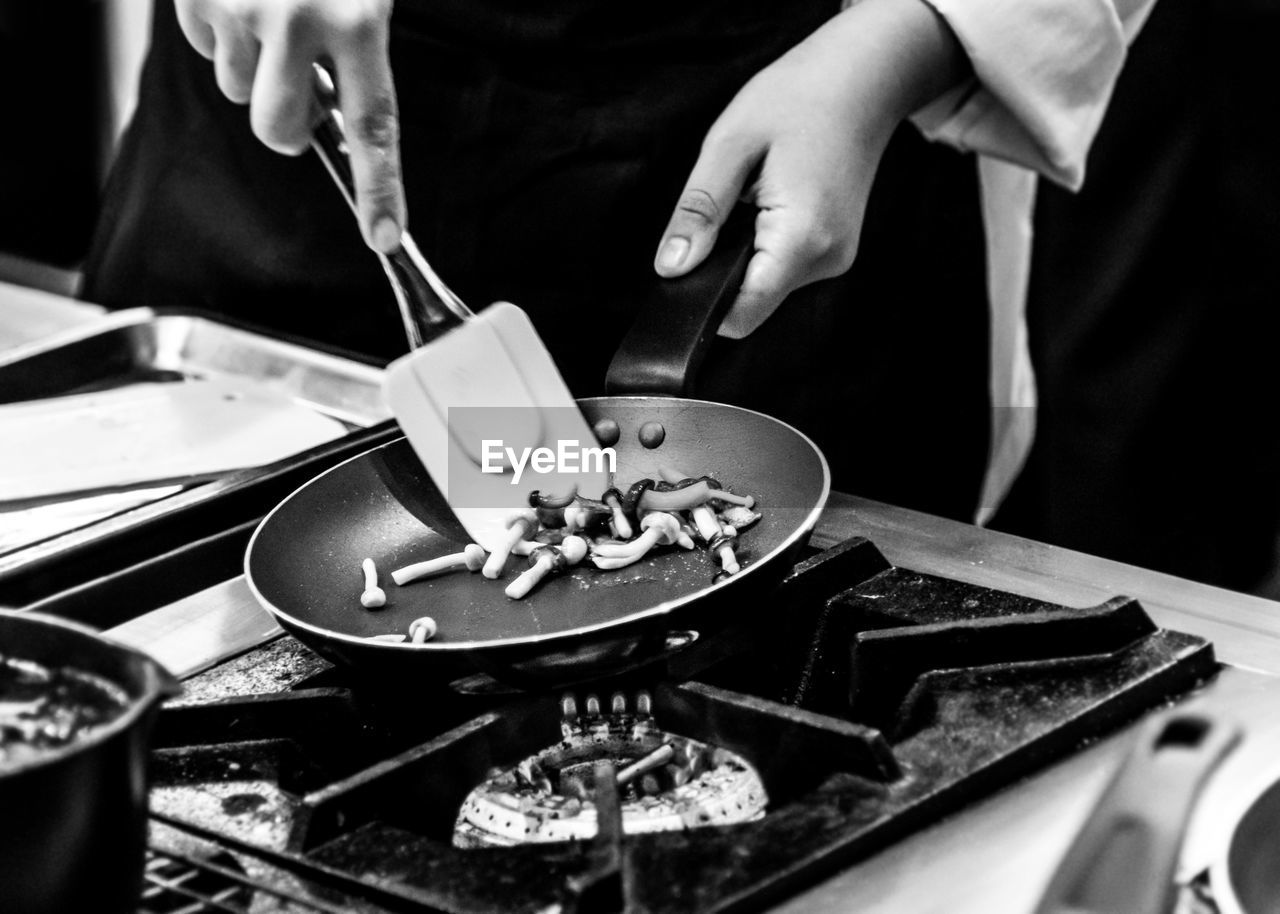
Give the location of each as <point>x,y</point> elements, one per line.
<point>304,561</point>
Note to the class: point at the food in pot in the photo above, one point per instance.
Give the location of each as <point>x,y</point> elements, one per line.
<point>43,709</point>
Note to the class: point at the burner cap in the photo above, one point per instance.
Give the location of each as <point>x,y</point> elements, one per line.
<point>666,782</point>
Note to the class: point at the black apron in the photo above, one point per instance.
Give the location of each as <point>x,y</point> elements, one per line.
<point>1154,313</point>
<point>544,149</point>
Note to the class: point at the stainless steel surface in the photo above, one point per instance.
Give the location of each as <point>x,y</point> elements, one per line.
<point>27,314</point>
<point>200,631</point>
<point>427,305</point>
<point>117,348</point>
<point>1245,630</point>
<point>124,345</point>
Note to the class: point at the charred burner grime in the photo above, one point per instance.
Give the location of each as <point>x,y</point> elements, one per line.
<point>862,700</point>
<point>665,782</point>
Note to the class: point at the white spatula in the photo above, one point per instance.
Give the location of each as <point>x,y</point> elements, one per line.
<point>478,396</point>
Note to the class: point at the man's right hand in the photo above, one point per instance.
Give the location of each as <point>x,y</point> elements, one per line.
<point>262,52</point>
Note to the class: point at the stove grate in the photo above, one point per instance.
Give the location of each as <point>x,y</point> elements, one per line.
<point>178,883</point>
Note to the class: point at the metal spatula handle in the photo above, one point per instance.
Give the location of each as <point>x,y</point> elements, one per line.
<point>428,307</point>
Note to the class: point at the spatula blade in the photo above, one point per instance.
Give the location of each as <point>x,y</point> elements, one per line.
<point>489,416</point>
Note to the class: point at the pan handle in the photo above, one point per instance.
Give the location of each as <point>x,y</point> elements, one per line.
<point>1123,860</point>
<point>677,321</point>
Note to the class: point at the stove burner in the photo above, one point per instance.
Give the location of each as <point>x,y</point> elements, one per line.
<point>665,782</point>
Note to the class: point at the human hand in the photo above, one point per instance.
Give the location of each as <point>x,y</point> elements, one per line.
<point>263,51</point>
<point>802,141</point>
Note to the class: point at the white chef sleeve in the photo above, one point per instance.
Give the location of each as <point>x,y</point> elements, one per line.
<point>1043,74</point>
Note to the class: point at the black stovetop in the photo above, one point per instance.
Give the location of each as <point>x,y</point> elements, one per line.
<point>870,699</point>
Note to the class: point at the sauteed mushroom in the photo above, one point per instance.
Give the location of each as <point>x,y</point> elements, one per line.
<point>660,529</point>
<point>471,558</point>
<point>422,629</point>
<point>521,525</point>
<point>374,597</point>
<point>621,526</point>
<point>546,560</point>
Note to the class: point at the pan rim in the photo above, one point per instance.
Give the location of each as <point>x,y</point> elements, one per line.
<point>661,609</point>
<point>1257,787</point>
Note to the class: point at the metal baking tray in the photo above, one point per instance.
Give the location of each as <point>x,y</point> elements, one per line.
<point>47,547</point>
<point>145,345</point>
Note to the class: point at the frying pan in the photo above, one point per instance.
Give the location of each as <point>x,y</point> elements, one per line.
<point>303,562</point>
<point>1123,861</point>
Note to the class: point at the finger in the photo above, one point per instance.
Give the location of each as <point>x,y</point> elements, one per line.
<point>368,99</point>
<point>280,104</point>
<point>235,60</point>
<point>194,26</point>
<point>791,251</point>
<point>713,187</point>
<point>768,281</point>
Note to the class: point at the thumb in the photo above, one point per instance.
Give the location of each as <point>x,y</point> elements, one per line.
<point>713,187</point>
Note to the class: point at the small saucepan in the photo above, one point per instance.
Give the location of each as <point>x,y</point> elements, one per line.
<point>73,818</point>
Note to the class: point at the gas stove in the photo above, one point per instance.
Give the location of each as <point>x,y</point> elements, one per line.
<point>856,704</point>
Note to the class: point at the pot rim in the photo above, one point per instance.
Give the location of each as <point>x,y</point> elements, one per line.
<point>158,684</point>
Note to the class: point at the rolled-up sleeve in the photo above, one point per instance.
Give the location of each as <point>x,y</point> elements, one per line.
<point>1043,74</point>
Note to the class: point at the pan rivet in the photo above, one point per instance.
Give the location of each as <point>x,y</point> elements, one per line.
<point>568,707</point>
<point>593,706</point>
<point>618,703</point>
<point>652,434</point>
<point>607,432</point>
<point>644,703</point>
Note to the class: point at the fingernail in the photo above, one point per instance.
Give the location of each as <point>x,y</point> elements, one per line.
<point>386,235</point>
<point>673,253</point>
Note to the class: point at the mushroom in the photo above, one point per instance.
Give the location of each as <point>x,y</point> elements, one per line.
<point>373,597</point>
<point>681,499</point>
<point>631,500</point>
<point>695,491</point>
<point>521,525</point>
<point>585,512</point>
<point>621,526</point>
<point>471,558</point>
<point>547,559</point>
<point>745,501</point>
<point>575,518</point>
<point>659,529</point>
<point>705,520</point>
<point>551,508</point>
<point>739,517</point>
<point>422,629</point>
<point>387,639</point>
<point>717,542</point>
